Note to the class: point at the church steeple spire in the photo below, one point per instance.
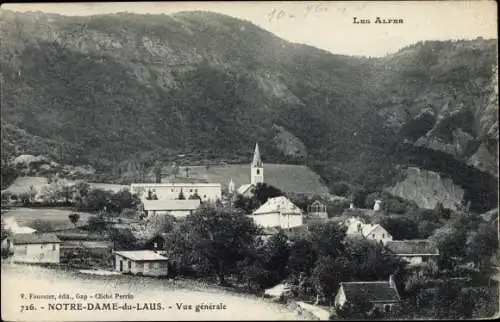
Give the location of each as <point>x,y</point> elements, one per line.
<point>256,162</point>
<point>256,168</point>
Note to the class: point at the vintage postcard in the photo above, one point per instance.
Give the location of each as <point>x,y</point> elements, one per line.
<point>249,161</point>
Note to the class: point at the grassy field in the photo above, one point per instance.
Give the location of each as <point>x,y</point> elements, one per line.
<point>23,184</point>
<point>288,178</point>
<point>57,217</point>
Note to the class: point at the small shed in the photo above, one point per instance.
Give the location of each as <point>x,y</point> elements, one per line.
<point>141,262</point>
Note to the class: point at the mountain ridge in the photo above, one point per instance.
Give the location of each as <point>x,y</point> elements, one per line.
<point>113,89</point>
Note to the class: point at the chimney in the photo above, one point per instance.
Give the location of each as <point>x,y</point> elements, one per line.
<point>391,281</point>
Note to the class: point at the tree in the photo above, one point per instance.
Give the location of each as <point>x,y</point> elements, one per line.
<point>52,192</point>
<point>194,196</point>
<point>5,231</point>
<point>24,197</point>
<point>326,277</point>
<point>96,223</point>
<point>175,169</point>
<point>83,189</point>
<point>341,188</point>
<point>97,200</point>
<point>367,261</point>
<point>263,191</point>
<point>215,236</point>
<point>481,244</point>
<point>327,238</point>
<point>122,239</point>
<point>123,199</point>
<point>32,194</point>
<point>158,172</point>
<point>74,217</point>
<point>6,195</point>
<point>401,227</point>
<point>6,249</point>
<point>357,307</point>
<point>302,258</point>
<point>247,205</point>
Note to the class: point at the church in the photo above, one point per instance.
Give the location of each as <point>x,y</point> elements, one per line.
<point>256,175</point>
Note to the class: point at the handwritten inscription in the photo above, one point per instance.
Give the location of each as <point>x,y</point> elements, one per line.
<point>277,14</point>
<point>377,20</point>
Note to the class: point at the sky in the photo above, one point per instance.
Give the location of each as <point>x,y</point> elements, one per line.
<point>327,25</point>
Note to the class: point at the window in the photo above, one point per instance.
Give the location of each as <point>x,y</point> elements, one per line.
<point>373,235</point>
<point>190,190</point>
<point>172,190</point>
<point>54,247</point>
<point>148,265</point>
<point>258,171</point>
<point>157,265</point>
<point>387,308</point>
<point>383,235</point>
<point>138,265</point>
<point>204,196</point>
<point>129,264</point>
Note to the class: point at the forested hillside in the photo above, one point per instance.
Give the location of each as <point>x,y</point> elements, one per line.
<point>108,90</point>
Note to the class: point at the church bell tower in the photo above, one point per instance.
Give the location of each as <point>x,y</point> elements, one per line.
<point>256,168</point>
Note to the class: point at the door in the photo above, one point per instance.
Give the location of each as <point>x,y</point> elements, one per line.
<point>121,265</point>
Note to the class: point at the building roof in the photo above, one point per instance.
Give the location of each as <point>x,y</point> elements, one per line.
<point>372,291</point>
<point>175,184</point>
<point>412,247</point>
<point>48,238</point>
<point>171,205</point>
<point>141,255</point>
<point>278,204</point>
<point>244,188</point>
<point>256,162</point>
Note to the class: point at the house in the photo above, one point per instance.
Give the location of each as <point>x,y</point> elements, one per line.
<point>382,294</point>
<point>278,212</point>
<point>176,208</point>
<point>141,262</point>
<point>415,252</point>
<point>36,248</point>
<point>171,191</point>
<point>317,210</point>
<point>357,228</point>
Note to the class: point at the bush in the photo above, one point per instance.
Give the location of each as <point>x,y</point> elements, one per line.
<point>43,226</point>
<point>341,188</point>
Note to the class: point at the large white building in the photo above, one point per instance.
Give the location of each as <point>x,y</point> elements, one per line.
<point>256,174</point>
<point>171,191</point>
<point>278,212</point>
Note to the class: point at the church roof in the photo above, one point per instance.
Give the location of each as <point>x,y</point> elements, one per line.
<point>245,188</point>
<point>256,162</point>
<point>278,204</point>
